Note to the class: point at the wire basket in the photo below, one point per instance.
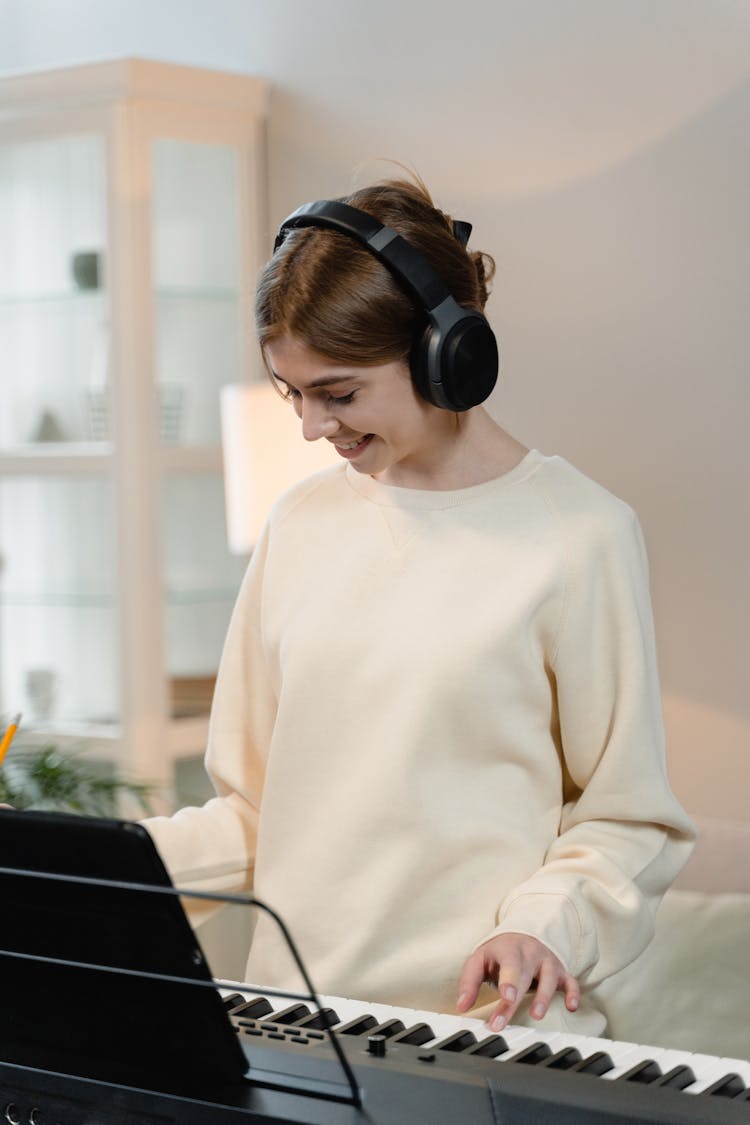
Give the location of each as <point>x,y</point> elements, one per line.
<point>171,398</point>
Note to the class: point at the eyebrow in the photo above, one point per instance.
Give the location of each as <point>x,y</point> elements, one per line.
<point>324,381</point>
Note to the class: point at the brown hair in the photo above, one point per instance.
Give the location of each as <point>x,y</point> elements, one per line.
<point>333,295</point>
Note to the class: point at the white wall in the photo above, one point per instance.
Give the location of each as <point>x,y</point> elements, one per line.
<point>600,148</point>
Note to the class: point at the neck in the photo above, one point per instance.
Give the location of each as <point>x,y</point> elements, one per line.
<point>471,449</point>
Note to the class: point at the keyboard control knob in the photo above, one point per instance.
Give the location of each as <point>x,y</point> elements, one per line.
<point>376,1045</point>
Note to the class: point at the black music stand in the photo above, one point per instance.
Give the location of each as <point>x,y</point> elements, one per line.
<point>144,1024</point>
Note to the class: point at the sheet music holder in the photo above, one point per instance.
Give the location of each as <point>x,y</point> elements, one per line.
<point>117,1027</point>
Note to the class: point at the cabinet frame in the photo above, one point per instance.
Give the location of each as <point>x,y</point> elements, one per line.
<point>131,103</point>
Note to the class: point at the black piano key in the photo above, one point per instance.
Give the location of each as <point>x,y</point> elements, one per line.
<point>458,1041</point>
<point>358,1026</point>
<point>389,1028</point>
<point>678,1078</point>
<point>533,1054</point>
<point>489,1048</point>
<point>645,1071</point>
<point>728,1086</point>
<point>253,1009</point>
<point>418,1034</point>
<point>563,1059</point>
<point>326,1017</point>
<point>233,1001</point>
<point>291,1014</point>
<point>597,1064</point>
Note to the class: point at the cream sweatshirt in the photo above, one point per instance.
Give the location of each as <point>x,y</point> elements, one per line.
<point>437,718</point>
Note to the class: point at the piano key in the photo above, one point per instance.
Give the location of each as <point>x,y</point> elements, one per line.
<point>458,1041</point>
<point>360,1025</point>
<point>490,1048</point>
<point>644,1071</point>
<point>596,1064</point>
<point>232,1000</point>
<point>533,1054</point>
<point>418,1034</point>
<point>728,1086</point>
<point>388,1028</point>
<point>291,1014</point>
<point>326,1017</point>
<point>708,1069</point>
<point>253,1009</point>
<point>562,1059</point>
<point>678,1078</point>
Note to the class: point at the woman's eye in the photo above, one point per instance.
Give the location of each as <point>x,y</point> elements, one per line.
<point>341,400</point>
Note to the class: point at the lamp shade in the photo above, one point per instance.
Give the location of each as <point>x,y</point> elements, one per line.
<point>264,453</point>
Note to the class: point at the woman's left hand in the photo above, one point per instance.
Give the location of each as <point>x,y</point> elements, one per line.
<point>513,962</point>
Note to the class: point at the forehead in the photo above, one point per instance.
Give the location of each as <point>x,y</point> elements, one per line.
<point>291,360</point>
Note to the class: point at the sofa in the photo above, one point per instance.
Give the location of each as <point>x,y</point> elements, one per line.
<point>691,987</point>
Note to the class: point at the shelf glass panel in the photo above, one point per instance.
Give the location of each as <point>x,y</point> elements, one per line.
<point>53,308</point>
<point>202,578</point>
<point>196,266</point>
<point>58,617</point>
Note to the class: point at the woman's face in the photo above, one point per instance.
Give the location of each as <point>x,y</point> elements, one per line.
<point>372,415</point>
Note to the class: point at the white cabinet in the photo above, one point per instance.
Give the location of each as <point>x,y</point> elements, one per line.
<point>132,227</point>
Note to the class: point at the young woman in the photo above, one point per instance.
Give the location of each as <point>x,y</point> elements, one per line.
<point>436,739</point>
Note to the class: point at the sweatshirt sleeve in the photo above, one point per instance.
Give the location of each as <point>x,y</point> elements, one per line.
<point>623,837</point>
<point>212,848</point>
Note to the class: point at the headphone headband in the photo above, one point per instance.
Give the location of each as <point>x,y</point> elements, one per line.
<point>454,360</point>
<point>403,259</point>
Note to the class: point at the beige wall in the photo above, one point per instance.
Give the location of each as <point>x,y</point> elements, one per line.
<point>600,147</point>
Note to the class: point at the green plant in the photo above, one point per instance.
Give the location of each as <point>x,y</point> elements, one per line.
<point>43,777</point>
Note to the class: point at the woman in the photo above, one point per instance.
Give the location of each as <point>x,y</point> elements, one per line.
<point>436,738</point>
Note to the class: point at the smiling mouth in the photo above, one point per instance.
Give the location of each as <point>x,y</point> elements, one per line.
<point>352,446</point>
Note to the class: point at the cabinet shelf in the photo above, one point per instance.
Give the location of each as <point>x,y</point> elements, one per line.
<point>71,297</point>
<point>104,600</point>
<point>76,297</point>
<point>36,458</point>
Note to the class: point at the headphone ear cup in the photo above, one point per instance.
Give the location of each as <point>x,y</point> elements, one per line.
<point>455,371</point>
<point>468,363</point>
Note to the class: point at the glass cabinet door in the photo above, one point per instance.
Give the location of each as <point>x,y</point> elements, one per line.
<point>58,628</point>
<point>53,316</point>
<point>58,616</point>
<point>199,347</point>
<point>196,269</point>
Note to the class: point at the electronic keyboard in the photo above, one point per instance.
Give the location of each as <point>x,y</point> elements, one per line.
<point>382,1030</point>
<point>109,1015</point>
<point>383,1027</point>
<point>410,1066</point>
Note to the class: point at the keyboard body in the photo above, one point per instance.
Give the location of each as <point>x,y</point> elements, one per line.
<point>405,1076</point>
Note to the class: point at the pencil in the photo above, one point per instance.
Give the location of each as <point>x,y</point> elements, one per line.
<point>8,736</point>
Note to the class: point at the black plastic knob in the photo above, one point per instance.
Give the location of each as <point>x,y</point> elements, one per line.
<point>376,1045</point>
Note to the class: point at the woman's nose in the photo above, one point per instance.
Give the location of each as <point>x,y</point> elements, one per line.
<point>317,421</point>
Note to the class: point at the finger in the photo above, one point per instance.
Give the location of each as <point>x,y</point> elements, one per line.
<point>472,978</point>
<point>572,993</point>
<point>513,981</point>
<point>548,979</point>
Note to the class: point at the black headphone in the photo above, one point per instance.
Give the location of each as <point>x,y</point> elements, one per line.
<point>454,360</point>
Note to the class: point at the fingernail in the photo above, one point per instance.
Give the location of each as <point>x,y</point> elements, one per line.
<point>537,1011</point>
<point>572,1003</point>
<point>508,992</point>
<point>498,1023</point>
<point>462,1000</point>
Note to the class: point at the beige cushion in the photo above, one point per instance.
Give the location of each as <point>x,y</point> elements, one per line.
<point>691,987</point>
